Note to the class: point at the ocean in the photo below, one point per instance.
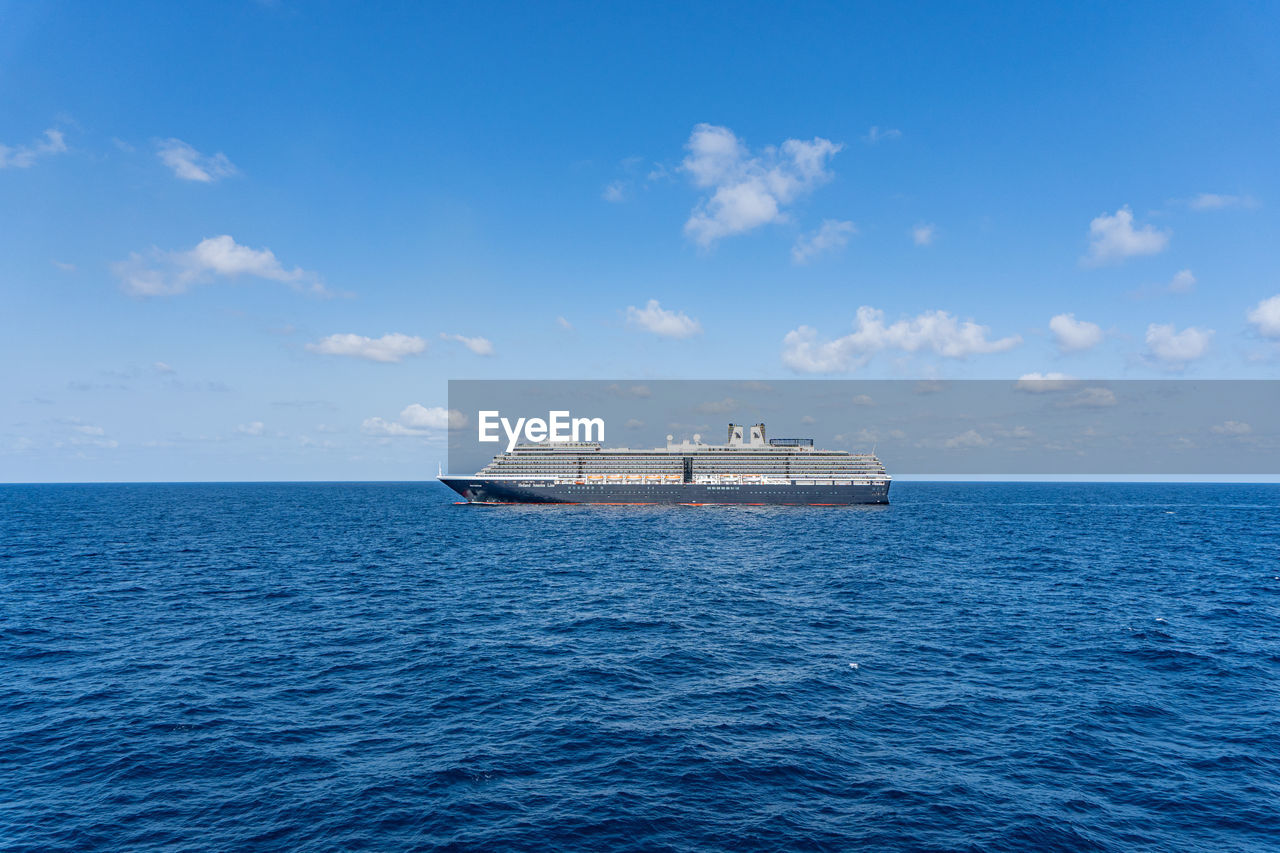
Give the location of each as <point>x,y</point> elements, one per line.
<point>370,667</point>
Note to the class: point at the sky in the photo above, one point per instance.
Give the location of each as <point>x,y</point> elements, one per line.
<point>253,241</point>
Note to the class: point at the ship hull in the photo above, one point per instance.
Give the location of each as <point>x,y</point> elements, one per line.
<point>483,490</point>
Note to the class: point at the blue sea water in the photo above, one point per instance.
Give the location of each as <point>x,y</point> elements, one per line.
<point>369,667</point>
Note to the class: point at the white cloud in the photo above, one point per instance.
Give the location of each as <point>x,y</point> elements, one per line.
<point>969,438</point>
<point>24,156</point>
<point>923,234</point>
<point>1039,383</point>
<point>164,273</point>
<point>1112,238</point>
<point>1265,317</point>
<point>479,346</point>
<point>1182,281</point>
<point>615,192</point>
<point>879,134</point>
<point>1220,201</point>
<point>94,442</point>
<point>862,437</point>
<point>564,324</point>
<point>1074,335</point>
<point>418,416</point>
<point>936,331</point>
<point>224,256</point>
<point>1232,428</point>
<point>388,348</point>
<point>252,428</point>
<point>833,235</point>
<point>1091,398</point>
<point>747,191</point>
<point>661,322</point>
<point>380,426</point>
<point>89,429</point>
<point>863,400</point>
<point>715,155</point>
<point>64,266</point>
<point>416,420</point>
<point>161,367</point>
<point>1176,348</point>
<point>190,165</point>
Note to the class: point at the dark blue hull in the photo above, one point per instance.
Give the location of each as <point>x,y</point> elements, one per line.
<point>483,490</point>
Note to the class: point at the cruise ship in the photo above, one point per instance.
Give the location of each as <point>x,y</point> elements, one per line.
<point>752,471</point>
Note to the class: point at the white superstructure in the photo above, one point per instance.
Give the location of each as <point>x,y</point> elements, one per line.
<point>749,459</point>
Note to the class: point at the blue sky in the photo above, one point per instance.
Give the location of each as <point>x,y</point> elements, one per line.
<point>213,216</point>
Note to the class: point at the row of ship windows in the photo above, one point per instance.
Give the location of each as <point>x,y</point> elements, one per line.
<point>798,490</point>
<point>792,473</point>
<point>645,469</point>
<point>697,463</point>
<point>697,460</point>
<point>643,487</point>
<point>575,471</point>
<point>749,469</point>
<point>736,460</point>
<point>677,457</point>
<point>703,455</point>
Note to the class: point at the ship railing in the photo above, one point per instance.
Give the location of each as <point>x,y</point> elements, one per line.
<point>618,478</point>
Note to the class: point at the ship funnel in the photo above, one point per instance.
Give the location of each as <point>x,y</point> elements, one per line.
<point>735,435</point>
<point>757,436</point>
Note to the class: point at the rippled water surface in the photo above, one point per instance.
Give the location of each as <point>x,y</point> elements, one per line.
<point>319,667</point>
